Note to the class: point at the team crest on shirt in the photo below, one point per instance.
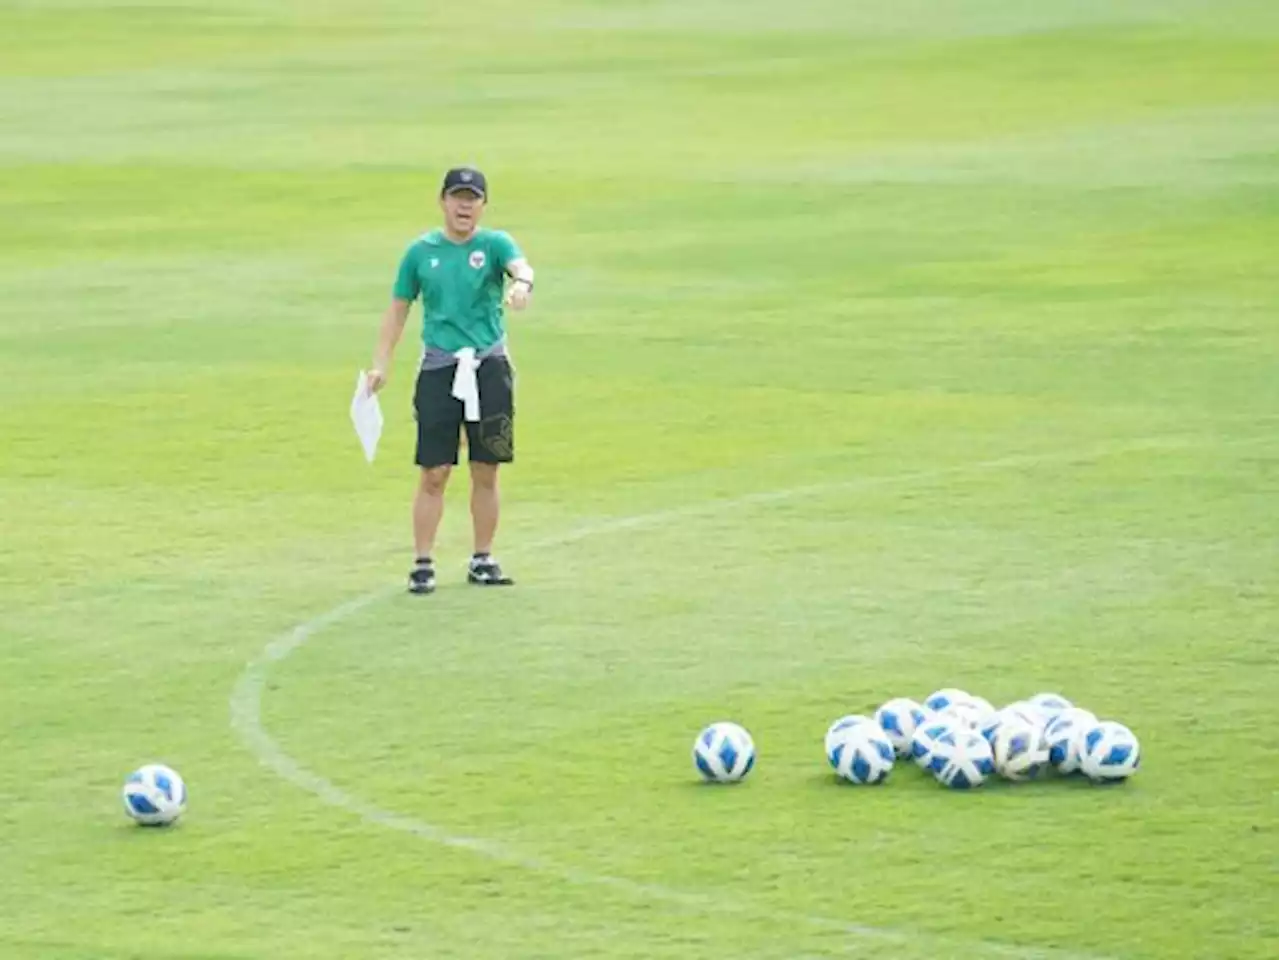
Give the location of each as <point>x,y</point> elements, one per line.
<point>476,259</point>
<point>435,262</point>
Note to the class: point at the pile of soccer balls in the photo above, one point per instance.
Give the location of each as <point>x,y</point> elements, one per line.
<point>958,737</point>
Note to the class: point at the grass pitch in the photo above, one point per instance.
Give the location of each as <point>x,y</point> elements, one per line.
<point>876,348</point>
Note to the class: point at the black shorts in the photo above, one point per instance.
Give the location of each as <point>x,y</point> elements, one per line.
<point>440,416</point>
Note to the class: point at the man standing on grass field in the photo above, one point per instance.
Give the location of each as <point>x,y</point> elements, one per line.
<point>465,378</point>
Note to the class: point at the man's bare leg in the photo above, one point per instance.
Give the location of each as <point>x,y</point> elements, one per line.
<point>428,508</point>
<point>485,507</point>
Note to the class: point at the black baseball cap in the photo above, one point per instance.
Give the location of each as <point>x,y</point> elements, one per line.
<point>465,178</point>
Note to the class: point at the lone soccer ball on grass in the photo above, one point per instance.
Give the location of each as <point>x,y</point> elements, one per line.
<point>724,753</point>
<point>154,795</point>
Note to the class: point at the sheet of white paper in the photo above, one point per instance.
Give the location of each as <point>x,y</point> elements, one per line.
<point>366,416</point>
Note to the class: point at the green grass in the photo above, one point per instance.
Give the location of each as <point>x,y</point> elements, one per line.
<point>877,348</point>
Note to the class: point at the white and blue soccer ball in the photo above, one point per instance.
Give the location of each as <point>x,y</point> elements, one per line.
<point>861,753</point>
<point>724,753</point>
<point>971,710</point>
<point>154,795</point>
<point>898,719</point>
<point>1050,705</point>
<point>1109,752</point>
<point>940,700</point>
<point>985,709</point>
<point>925,741</point>
<point>836,728</point>
<point>1020,710</point>
<point>962,760</point>
<point>990,724</point>
<point>1019,749</point>
<point>1063,737</point>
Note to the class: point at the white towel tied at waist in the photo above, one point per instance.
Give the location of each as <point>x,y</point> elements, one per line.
<point>465,386</point>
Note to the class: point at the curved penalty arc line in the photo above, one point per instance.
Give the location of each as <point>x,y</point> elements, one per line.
<point>246,715</point>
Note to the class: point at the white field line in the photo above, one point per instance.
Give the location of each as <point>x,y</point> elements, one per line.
<point>246,713</point>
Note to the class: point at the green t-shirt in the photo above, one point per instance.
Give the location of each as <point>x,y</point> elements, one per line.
<point>461,285</point>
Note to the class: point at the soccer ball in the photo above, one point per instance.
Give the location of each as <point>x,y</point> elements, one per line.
<point>969,712</point>
<point>1050,705</point>
<point>926,738</point>
<point>836,729</point>
<point>1019,749</point>
<point>1063,735</point>
<point>898,719</point>
<point>983,708</point>
<point>724,753</point>
<point>1020,710</point>
<point>1109,752</point>
<point>962,760</point>
<point>861,753</point>
<point>154,795</point>
<point>939,700</point>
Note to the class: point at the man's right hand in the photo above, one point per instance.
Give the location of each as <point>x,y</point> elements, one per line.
<point>377,379</point>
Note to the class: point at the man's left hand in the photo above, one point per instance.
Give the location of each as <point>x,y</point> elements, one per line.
<point>518,295</point>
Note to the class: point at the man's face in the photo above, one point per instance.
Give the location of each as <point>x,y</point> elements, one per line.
<point>462,210</point>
